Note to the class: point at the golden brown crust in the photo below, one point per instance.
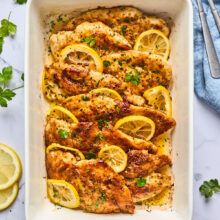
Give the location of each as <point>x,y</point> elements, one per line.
<point>141,163</point>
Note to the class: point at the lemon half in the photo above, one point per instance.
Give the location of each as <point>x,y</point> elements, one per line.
<point>81,54</point>
<point>114,156</point>
<point>10,167</point>
<point>159,98</point>
<point>137,126</point>
<point>153,41</point>
<point>62,193</point>
<point>107,92</point>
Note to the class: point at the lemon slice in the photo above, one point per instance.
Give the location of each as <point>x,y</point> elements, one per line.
<point>114,156</point>
<point>60,112</point>
<point>81,54</point>
<point>77,153</point>
<point>107,92</point>
<point>153,41</point>
<point>62,193</point>
<point>159,98</point>
<point>136,126</point>
<point>8,196</point>
<point>10,167</point>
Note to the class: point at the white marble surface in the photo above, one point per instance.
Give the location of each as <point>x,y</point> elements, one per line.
<point>206,128</point>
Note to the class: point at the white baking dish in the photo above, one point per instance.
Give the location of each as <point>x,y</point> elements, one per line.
<point>37,205</point>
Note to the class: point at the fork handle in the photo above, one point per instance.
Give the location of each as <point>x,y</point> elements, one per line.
<point>215,14</point>
<point>210,49</point>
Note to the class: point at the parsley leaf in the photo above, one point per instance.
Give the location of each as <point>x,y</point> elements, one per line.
<point>103,123</point>
<point>208,188</point>
<point>63,133</point>
<point>90,155</point>
<point>106,63</point>
<point>6,75</point>
<point>20,2</point>
<point>141,182</point>
<point>85,98</point>
<point>89,40</point>
<point>5,95</point>
<point>22,76</point>
<point>123,30</point>
<point>7,29</point>
<point>133,77</point>
<point>1,43</point>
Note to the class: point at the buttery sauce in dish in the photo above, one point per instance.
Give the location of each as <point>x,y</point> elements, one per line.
<point>108,131</point>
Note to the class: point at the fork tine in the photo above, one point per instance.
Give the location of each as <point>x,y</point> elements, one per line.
<point>215,13</point>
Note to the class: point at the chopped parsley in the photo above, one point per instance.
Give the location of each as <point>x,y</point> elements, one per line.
<point>141,182</point>
<point>102,123</point>
<point>20,2</point>
<point>103,196</point>
<point>90,155</point>
<point>133,77</point>
<point>123,30</point>
<point>63,133</point>
<point>89,40</point>
<point>99,137</point>
<point>59,19</point>
<point>85,98</point>
<point>208,188</point>
<point>106,63</point>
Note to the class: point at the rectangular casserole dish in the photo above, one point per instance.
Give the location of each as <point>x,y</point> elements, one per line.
<point>38,206</point>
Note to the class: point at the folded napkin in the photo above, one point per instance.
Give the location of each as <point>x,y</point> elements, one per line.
<point>206,88</point>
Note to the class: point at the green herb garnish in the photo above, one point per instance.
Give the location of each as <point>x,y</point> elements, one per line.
<point>99,137</point>
<point>106,63</point>
<point>21,1</point>
<point>5,96</point>
<point>123,30</point>
<point>85,98</point>
<point>6,75</point>
<point>63,133</point>
<point>102,123</point>
<point>89,40</point>
<point>90,155</point>
<point>133,77</point>
<point>7,29</point>
<point>103,196</point>
<point>141,182</point>
<point>208,188</point>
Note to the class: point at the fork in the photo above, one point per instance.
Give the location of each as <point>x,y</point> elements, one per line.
<point>215,14</point>
<point>210,48</point>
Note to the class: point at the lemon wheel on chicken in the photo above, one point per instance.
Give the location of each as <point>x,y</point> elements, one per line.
<point>153,41</point>
<point>8,196</point>
<point>159,98</point>
<point>107,92</point>
<point>62,193</point>
<point>136,126</point>
<point>77,153</point>
<point>114,156</point>
<point>10,167</point>
<point>60,112</point>
<point>81,54</point>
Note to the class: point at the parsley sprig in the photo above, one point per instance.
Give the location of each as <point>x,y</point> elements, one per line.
<point>7,29</point>
<point>20,2</point>
<point>133,77</point>
<point>208,188</point>
<point>90,40</point>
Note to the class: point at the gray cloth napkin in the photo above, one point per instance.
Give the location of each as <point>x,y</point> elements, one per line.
<point>206,88</point>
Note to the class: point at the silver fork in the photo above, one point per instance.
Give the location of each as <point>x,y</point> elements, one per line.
<point>210,48</point>
<point>215,13</point>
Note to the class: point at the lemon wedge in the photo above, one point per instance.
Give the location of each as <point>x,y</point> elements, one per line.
<point>62,193</point>
<point>136,126</point>
<point>107,92</point>
<point>114,156</point>
<point>159,98</point>
<point>81,54</point>
<point>60,112</point>
<point>153,41</point>
<point>8,196</point>
<point>10,167</point>
<point>77,153</point>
